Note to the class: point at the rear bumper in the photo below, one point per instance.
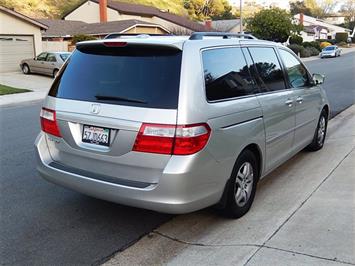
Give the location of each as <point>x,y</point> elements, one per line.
<point>178,191</point>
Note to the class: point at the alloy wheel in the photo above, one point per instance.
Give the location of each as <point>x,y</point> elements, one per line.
<point>321,130</point>
<point>244,184</point>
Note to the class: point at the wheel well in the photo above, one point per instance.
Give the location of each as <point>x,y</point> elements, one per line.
<point>254,148</point>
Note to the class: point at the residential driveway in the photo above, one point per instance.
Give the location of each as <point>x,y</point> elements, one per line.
<point>38,84</point>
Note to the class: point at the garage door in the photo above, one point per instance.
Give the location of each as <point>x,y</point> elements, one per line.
<point>13,49</point>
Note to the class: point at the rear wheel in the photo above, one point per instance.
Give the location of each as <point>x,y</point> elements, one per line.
<point>242,186</point>
<point>26,69</point>
<point>321,132</point>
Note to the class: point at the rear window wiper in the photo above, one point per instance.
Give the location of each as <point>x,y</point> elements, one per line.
<point>117,98</point>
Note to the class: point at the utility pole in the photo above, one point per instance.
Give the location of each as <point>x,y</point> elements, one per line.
<point>241,17</point>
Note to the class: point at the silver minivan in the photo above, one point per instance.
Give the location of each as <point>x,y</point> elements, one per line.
<point>176,124</point>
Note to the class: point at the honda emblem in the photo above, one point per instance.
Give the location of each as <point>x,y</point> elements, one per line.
<point>95,108</point>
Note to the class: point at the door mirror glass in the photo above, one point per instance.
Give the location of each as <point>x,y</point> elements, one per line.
<point>318,79</point>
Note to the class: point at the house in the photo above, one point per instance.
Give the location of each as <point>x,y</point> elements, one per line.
<point>96,11</point>
<point>315,28</point>
<point>335,19</point>
<point>20,37</point>
<point>60,32</point>
<point>227,25</point>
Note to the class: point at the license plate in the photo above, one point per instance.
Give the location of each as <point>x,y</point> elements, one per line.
<point>96,135</point>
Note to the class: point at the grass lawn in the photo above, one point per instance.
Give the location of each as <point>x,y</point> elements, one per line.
<point>10,90</point>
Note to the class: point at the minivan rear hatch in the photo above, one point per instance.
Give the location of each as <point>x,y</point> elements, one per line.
<point>101,97</point>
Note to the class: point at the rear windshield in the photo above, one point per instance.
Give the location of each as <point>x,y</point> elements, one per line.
<point>133,76</point>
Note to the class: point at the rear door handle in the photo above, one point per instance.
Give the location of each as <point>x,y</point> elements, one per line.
<point>289,103</point>
<point>299,100</point>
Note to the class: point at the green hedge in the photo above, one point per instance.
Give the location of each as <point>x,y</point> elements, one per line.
<point>296,48</point>
<point>304,51</point>
<point>315,45</point>
<point>295,39</point>
<point>341,37</point>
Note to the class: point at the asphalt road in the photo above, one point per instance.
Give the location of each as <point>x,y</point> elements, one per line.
<point>339,80</point>
<point>44,224</point>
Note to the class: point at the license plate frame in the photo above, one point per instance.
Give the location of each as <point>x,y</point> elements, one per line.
<point>88,135</point>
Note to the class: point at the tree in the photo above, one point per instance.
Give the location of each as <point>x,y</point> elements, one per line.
<point>227,12</point>
<point>273,24</point>
<point>300,7</point>
<point>327,7</point>
<point>348,9</point>
<point>205,9</point>
<point>321,8</point>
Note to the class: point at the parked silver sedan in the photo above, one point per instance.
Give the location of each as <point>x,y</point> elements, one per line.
<point>47,63</point>
<point>330,51</point>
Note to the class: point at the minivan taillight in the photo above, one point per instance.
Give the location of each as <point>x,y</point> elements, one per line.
<point>172,139</point>
<point>49,122</point>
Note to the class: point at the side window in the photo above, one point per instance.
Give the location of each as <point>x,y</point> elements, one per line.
<point>270,75</point>
<point>42,57</point>
<point>51,58</point>
<point>296,72</point>
<point>226,74</point>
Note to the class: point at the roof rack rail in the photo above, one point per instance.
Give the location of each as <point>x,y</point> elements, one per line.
<point>224,35</point>
<point>138,35</point>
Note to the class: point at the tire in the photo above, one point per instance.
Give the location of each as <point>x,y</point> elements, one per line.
<point>320,133</point>
<point>55,72</point>
<point>26,69</point>
<point>242,185</point>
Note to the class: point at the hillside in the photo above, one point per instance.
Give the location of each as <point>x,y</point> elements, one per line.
<point>56,8</point>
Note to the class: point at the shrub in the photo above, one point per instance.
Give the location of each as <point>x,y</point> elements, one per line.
<point>314,51</point>
<point>295,39</point>
<point>343,44</point>
<point>332,41</point>
<point>296,48</point>
<point>82,37</point>
<point>306,52</point>
<point>324,44</point>
<point>312,44</point>
<point>341,37</point>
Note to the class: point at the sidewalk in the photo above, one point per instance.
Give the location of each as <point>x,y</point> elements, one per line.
<point>38,84</point>
<point>303,214</point>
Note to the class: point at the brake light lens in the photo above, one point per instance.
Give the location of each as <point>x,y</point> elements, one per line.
<point>172,139</point>
<point>49,122</point>
<point>115,44</point>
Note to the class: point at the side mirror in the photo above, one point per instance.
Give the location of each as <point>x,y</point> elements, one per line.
<point>318,79</point>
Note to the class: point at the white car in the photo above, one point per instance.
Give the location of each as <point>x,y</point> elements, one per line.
<point>330,51</point>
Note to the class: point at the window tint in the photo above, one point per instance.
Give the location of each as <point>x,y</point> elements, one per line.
<point>42,57</point>
<point>51,58</point>
<point>226,74</point>
<point>296,72</point>
<point>134,76</point>
<point>270,76</point>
